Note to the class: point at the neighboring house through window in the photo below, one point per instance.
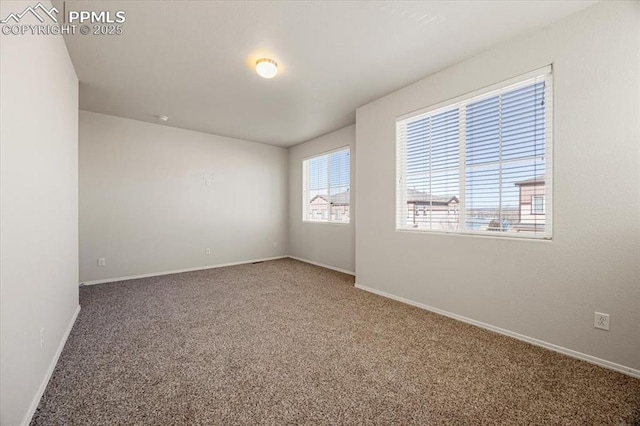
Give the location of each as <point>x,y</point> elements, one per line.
<point>326,187</point>
<point>532,205</point>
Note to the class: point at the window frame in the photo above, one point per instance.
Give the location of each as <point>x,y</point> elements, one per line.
<point>460,102</point>
<point>305,179</point>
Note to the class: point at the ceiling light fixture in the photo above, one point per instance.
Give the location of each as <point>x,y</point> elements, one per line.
<point>266,68</point>
<point>162,117</point>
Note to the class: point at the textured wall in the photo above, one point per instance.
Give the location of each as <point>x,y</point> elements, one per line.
<point>153,198</point>
<point>547,290</point>
<point>330,244</point>
<point>39,225</point>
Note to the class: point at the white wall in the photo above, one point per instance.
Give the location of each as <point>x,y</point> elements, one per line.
<point>145,205</point>
<point>544,290</point>
<point>39,214</point>
<point>330,244</point>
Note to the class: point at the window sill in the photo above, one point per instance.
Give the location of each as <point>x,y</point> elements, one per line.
<point>491,235</point>
<point>314,222</point>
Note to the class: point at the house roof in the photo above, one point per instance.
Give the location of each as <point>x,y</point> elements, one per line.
<point>340,199</point>
<point>414,196</point>
<point>533,181</point>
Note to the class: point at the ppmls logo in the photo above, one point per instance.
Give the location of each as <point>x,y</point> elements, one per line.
<point>16,17</point>
<point>101,22</point>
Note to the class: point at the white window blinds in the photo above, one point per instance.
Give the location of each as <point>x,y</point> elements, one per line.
<point>480,164</point>
<point>326,187</point>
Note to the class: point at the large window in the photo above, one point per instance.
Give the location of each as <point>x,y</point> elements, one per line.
<point>325,187</point>
<point>480,164</point>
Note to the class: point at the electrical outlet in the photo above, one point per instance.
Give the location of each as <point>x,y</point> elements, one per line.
<point>601,320</point>
<point>275,244</point>
<point>207,178</point>
<point>207,251</point>
<point>101,261</point>
<point>42,337</point>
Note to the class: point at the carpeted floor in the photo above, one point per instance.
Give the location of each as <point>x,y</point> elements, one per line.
<point>284,342</point>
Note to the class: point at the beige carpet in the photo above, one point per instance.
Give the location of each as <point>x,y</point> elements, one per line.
<point>284,342</point>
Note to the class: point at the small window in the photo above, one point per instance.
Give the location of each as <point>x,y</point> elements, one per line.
<point>326,187</point>
<point>488,153</point>
<point>537,204</point>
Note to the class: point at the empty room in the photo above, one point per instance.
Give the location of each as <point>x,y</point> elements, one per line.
<point>320,212</point>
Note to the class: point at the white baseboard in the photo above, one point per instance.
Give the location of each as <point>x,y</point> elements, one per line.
<point>178,271</point>
<point>574,354</point>
<point>344,271</point>
<point>43,386</point>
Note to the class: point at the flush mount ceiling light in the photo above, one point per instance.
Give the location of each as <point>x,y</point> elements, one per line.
<point>266,68</point>
<point>162,117</point>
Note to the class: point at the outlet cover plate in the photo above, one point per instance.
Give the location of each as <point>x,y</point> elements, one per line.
<point>601,320</point>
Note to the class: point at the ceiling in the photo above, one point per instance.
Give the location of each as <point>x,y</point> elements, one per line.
<point>192,60</point>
